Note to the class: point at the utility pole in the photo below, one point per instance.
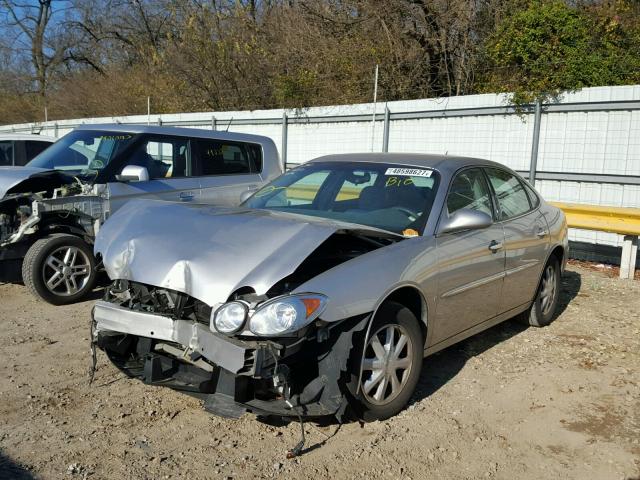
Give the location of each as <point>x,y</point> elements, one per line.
<point>375,100</point>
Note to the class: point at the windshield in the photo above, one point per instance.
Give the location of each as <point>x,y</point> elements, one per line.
<point>83,151</point>
<point>386,196</point>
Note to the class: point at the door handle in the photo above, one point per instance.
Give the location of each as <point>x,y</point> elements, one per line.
<point>186,196</point>
<point>542,233</point>
<point>253,188</point>
<point>494,246</point>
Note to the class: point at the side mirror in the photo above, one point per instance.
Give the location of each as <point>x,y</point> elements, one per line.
<point>133,173</point>
<point>464,219</point>
<point>244,196</point>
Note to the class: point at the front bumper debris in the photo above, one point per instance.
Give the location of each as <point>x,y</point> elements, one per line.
<point>232,376</point>
<point>196,336</point>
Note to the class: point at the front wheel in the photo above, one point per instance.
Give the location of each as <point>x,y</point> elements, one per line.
<point>59,269</point>
<point>391,363</point>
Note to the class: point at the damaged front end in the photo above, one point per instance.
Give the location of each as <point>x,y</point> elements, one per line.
<point>47,202</point>
<point>228,319</point>
<point>166,338</point>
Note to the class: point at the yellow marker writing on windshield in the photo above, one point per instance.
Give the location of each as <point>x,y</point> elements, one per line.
<point>397,182</point>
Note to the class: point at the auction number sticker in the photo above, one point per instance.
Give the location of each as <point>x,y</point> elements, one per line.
<point>409,172</point>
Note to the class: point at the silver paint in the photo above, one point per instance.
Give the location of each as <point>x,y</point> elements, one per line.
<point>460,276</point>
<point>12,176</point>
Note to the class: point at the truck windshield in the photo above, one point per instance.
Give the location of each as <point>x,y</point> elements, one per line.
<point>391,197</point>
<point>83,151</point>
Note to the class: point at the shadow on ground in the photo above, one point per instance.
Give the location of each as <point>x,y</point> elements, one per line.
<point>440,368</point>
<point>11,470</point>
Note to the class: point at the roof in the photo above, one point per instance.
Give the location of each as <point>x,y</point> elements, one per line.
<point>176,131</point>
<point>442,163</point>
<point>27,136</point>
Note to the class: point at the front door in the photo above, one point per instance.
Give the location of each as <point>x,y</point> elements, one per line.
<point>471,263</point>
<point>168,161</point>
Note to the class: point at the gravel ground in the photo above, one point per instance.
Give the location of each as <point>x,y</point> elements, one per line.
<point>512,402</point>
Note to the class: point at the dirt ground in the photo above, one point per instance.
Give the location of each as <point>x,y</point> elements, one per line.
<point>510,403</point>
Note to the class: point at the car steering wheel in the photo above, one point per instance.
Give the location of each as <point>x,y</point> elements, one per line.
<point>411,215</point>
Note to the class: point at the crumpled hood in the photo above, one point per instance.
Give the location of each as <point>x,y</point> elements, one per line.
<point>208,252</point>
<point>12,176</point>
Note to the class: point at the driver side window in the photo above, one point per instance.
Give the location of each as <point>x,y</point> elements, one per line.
<point>162,157</point>
<point>469,189</point>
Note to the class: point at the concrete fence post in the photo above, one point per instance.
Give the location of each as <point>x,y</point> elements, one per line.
<point>629,255</point>
<point>533,166</point>
<point>385,132</point>
<point>285,134</point>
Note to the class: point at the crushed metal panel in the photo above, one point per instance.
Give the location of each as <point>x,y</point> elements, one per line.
<point>171,245</point>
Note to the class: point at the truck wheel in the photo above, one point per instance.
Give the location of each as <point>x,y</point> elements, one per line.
<point>59,269</point>
<point>391,364</point>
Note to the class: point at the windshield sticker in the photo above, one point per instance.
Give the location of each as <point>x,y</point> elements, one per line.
<point>115,137</point>
<point>409,172</point>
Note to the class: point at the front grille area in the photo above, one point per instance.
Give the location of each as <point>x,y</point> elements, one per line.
<point>148,298</point>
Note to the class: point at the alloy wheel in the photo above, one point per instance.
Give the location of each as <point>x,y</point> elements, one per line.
<point>548,289</point>
<point>66,271</point>
<point>387,364</point>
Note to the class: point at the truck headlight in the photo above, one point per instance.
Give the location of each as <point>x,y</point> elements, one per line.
<point>230,317</point>
<point>286,314</point>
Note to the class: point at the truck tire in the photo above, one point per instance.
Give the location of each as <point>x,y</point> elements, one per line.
<point>59,269</point>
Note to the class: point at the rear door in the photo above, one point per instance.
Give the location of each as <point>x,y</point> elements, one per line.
<point>526,237</point>
<point>470,263</point>
<point>168,161</point>
<point>227,169</point>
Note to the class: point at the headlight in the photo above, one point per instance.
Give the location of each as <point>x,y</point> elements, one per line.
<point>230,317</point>
<point>286,314</point>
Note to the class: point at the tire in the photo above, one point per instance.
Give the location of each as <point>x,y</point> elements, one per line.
<point>542,310</point>
<point>59,269</point>
<point>373,401</point>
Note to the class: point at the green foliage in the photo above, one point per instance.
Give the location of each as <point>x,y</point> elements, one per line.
<point>550,47</point>
<point>297,89</point>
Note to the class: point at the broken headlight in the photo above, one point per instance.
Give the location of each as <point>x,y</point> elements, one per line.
<point>286,314</point>
<point>230,317</point>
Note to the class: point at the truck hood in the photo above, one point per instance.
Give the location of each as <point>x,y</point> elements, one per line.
<point>209,252</point>
<point>12,176</point>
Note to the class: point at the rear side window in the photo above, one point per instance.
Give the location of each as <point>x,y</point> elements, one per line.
<point>217,157</point>
<point>510,192</point>
<point>33,148</point>
<point>533,197</point>
<point>6,153</point>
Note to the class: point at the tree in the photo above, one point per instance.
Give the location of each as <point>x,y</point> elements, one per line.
<point>46,45</point>
<point>551,47</point>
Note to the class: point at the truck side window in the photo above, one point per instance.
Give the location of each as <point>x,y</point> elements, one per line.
<point>218,157</point>
<point>6,153</point>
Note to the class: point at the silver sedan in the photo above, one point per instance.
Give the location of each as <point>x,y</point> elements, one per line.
<point>321,294</point>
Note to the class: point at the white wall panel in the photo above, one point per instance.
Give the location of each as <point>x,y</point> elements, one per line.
<point>597,142</point>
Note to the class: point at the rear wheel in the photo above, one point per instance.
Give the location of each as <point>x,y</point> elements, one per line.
<point>59,269</point>
<point>391,364</point>
<point>544,305</point>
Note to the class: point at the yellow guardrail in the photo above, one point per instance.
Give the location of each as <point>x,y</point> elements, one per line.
<point>625,221</point>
